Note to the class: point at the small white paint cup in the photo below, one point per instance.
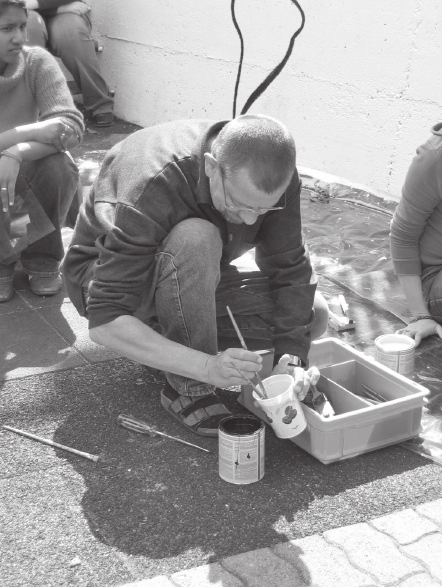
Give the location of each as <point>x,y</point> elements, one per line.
<point>282,407</point>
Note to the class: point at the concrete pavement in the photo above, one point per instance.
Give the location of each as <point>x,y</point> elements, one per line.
<point>160,511</point>
<point>400,549</point>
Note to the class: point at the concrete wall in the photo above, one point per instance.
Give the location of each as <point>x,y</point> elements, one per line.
<point>360,91</point>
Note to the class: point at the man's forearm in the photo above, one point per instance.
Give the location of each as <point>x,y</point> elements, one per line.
<point>412,287</point>
<point>131,338</point>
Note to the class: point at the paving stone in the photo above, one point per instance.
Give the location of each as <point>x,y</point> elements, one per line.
<point>405,526</point>
<point>429,551</point>
<point>432,510</point>
<point>373,552</point>
<point>419,580</point>
<point>263,568</point>
<point>156,582</point>
<point>209,575</point>
<point>322,564</point>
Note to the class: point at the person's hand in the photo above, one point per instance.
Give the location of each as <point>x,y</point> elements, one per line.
<point>421,329</point>
<point>9,168</point>
<point>78,7</point>
<point>222,369</point>
<point>53,132</point>
<point>303,378</point>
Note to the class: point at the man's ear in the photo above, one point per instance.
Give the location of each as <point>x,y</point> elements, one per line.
<point>210,165</point>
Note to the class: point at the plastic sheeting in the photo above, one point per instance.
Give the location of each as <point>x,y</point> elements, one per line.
<point>347,232</point>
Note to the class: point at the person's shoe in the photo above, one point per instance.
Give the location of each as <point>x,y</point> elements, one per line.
<point>43,286</point>
<point>199,414</point>
<point>6,288</point>
<point>103,119</point>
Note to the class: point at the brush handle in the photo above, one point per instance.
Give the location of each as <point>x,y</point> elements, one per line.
<point>53,443</point>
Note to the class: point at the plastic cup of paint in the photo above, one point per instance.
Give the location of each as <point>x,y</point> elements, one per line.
<point>282,407</point>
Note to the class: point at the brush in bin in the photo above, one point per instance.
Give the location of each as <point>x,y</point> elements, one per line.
<point>319,401</point>
<point>371,396</point>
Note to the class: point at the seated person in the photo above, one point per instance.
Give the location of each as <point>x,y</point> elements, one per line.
<point>64,28</point>
<point>416,239</point>
<point>38,122</point>
<point>172,207</point>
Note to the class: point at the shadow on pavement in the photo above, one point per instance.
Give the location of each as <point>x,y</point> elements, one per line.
<point>155,499</point>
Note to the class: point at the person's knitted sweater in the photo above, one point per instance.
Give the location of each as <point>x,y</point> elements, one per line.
<point>34,89</point>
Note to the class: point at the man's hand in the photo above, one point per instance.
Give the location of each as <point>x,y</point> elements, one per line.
<point>78,7</point>
<point>222,369</point>
<point>421,329</point>
<point>303,378</point>
<point>9,168</point>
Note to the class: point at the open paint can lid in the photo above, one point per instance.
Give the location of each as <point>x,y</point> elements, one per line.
<point>394,343</point>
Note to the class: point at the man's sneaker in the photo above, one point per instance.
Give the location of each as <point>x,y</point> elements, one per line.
<point>6,288</point>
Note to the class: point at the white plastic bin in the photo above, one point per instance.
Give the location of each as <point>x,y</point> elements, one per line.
<point>358,426</point>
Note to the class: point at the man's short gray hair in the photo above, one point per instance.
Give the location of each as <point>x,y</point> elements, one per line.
<point>259,144</point>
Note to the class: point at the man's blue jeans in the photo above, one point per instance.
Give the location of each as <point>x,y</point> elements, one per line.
<point>52,181</point>
<point>68,36</point>
<point>190,294</point>
<point>432,289</point>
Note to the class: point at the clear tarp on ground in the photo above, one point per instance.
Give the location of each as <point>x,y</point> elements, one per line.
<point>347,232</point>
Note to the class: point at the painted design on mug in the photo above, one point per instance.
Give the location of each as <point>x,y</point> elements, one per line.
<point>290,413</point>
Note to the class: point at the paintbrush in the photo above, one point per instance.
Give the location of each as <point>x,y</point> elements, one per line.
<point>257,390</point>
<point>129,422</point>
<point>244,346</point>
<point>53,443</point>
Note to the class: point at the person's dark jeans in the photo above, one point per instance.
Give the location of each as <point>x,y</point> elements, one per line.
<point>68,36</point>
<point>432,289</point>
<point>190,294</point>
<point>52,181</point>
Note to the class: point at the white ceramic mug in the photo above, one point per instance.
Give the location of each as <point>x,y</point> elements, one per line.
<point>282,407</point>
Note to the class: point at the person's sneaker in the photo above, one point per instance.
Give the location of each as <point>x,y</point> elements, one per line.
<point>103,119</point>
<point>43,286</point>
<point>6,288</point>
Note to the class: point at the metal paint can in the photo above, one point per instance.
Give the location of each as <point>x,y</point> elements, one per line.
<point>241,442</point>
<point>396,352</point>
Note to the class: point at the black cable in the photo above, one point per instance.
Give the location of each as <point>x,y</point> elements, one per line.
<point>274,73</point>
<point>241,40</point>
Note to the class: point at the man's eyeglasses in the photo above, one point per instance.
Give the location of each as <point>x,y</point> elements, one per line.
<point>261,210</point>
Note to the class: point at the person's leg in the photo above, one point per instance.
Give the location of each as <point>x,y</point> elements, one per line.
<point>36,31</point>
<point>52,181</point>
<point>432,289</point>
<point>70,39</point>
<point>248,297</point>
<point>186,276</point>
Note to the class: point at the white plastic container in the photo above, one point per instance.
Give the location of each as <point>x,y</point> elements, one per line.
<point>359,426</point>
<point>396,352</point>
<point>283,410</point>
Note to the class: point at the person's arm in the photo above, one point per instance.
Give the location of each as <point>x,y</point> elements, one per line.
<point>282,256</point>
<point>54,99</point>
<point>423,327</point>
<point>420,196</point>
<point>131,338</point>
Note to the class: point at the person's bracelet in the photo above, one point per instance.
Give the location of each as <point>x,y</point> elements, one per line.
<point>7,153</point>
<point>421,317</point>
